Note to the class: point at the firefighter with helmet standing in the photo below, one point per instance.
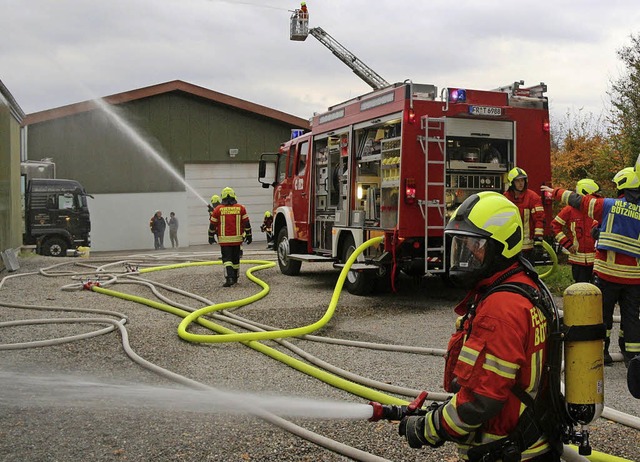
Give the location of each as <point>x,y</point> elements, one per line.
<point>267,228</point>
<point>572,230</point>
<point>215,201</point>
<point>616,269</point>
<point>505,350</point>
<point>230,222</point>
<point>531,211</point>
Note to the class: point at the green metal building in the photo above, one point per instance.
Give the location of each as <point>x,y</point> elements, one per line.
<point>166,147</point>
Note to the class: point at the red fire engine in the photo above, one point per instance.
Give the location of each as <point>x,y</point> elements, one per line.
<point>397,162</point>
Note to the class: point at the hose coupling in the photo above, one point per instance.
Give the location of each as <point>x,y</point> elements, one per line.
<point>391,412</point>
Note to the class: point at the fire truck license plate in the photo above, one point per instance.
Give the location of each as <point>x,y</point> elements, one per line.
<point>485,110</point>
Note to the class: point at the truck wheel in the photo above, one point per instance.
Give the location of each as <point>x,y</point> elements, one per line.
<point>357,282</point>
<point>54,247</point>
<point>285,247</point>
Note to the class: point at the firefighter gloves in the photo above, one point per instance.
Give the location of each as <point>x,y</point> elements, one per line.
<point>248,238</point>
<point>212,240</point>
<point>413,429</point>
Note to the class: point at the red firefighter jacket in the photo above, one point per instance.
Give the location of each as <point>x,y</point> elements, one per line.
<point>500,344</point>
<point>572,227</point>
<point>532,214</point>
<point>611,265</point>
<point>229,222</point>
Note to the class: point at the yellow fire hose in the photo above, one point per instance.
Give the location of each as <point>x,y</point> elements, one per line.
<point>251,339</point>
<point>554,259</point>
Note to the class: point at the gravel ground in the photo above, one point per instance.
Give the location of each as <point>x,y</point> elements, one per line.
<point>87,400</point>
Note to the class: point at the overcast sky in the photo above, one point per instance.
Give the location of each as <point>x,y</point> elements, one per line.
<point>58,52</point>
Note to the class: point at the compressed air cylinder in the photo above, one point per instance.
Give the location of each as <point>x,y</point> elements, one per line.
<point>583,352</point>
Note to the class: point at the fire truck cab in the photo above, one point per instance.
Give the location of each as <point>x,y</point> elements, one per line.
<point>397,162</point>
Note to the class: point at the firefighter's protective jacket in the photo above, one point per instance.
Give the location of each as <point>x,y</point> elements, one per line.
<point>229,223</point>
<point>572,228</point>
<point>532,214</point>
<point>618,248</point>
<point>501,343</point>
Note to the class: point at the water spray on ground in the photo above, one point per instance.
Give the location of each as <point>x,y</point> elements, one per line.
<point>25,390</point>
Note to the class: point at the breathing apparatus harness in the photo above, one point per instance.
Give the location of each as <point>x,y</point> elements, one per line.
<point>546,414</point>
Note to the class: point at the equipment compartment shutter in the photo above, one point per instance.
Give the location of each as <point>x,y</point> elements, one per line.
<point>210,179</point>
<point>474,128</point>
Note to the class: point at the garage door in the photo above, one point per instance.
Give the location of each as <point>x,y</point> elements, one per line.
<point>210,179</point>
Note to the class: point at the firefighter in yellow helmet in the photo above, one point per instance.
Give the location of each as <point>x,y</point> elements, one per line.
<point>215,201</point>
<point>500,344</point>
<point>572,230</point>
<point>531,211</point>
<point>616,271</point>
<point>304,12</point>
<point>230,222</point>
<point>267,228</point>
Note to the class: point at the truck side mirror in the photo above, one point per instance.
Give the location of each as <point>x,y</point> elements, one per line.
<point>262,170</point>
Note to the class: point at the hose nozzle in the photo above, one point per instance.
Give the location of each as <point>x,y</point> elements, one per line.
<point>390,412</point>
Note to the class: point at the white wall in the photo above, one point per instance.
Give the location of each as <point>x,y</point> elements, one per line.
<point>121,221</point>
<point>210,179</point>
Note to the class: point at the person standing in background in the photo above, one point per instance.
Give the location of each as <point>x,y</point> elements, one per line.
<point>172,221</point>
<point>267,228</point>
<point>158,226</point>
<point>572,229</point>
<point>616,270</point>
<point>531,211</point>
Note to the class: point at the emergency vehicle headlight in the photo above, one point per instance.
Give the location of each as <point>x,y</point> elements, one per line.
<point>457,95</point>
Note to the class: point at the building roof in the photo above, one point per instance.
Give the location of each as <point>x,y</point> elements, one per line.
<point>167,87</point>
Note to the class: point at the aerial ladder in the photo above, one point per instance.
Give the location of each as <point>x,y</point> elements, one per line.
<point>300,31</point>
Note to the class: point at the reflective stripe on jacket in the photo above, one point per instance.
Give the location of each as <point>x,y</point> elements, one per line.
<point>572,227</point>
<point>229,222</point>
<point>532,214</point>
<point>617,266</point>
<point>504,345</point>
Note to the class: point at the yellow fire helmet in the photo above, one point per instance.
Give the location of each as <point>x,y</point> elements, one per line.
<point>587,186</point>
<point>516,173</point>
<point>267,214</point>
<point>489,214</point>
<point>626,179</point>
<point>215,199</point>
<point>228,192</point>
<point>486,235</point>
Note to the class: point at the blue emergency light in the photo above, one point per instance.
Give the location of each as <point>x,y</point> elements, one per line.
<point>457,95</point>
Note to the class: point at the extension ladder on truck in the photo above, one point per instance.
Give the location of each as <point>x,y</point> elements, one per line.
<point>433,144</point>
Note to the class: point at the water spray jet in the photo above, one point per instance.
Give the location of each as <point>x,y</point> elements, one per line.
<point>144,144</point>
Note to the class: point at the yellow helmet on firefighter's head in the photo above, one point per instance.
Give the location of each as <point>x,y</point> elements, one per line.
<point>587,186</point>
<point>626,179</point>
<point>228,192</point>
<point>516,173</point>
<point>267,214</point>
<point>486,236</point>
<point>215,199</point>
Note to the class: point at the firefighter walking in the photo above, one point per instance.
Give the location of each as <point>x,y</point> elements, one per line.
<point>497,365</point>
<point>230,222</point>
<point>616,269</point>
